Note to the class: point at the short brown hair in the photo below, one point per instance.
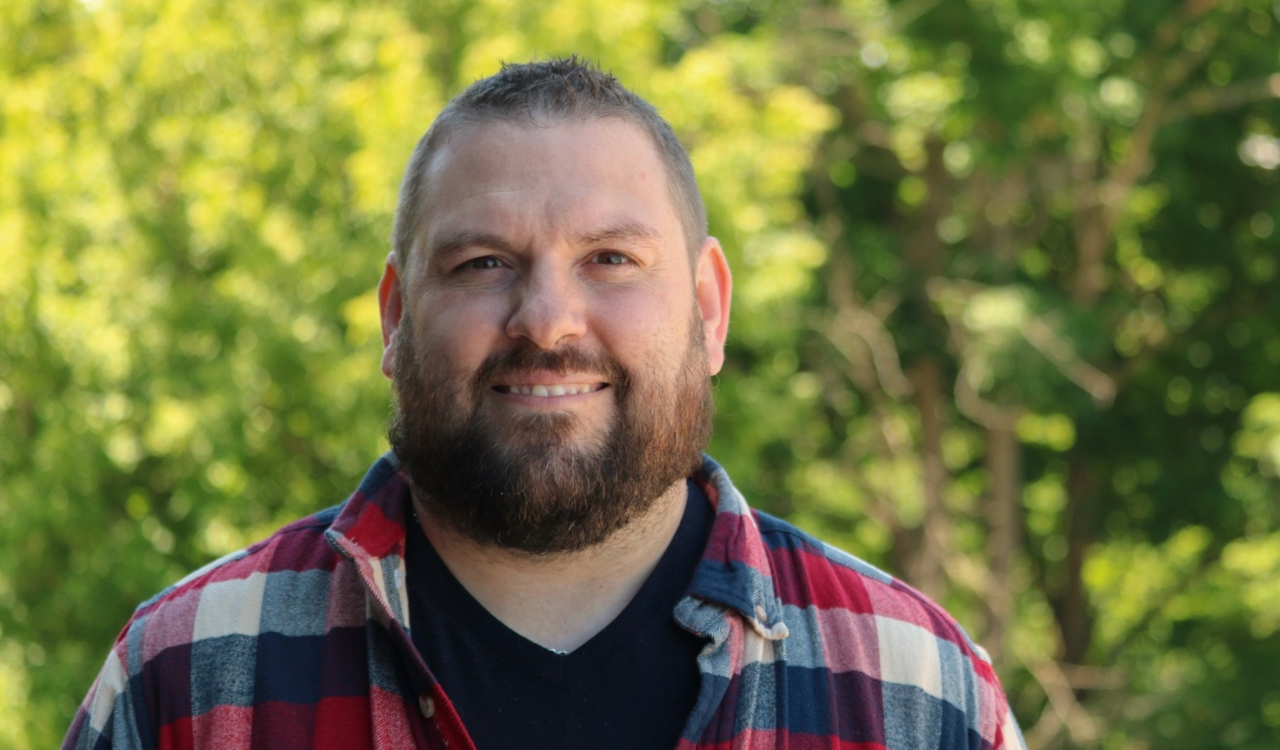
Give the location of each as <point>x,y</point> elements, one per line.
<point>557,89</point>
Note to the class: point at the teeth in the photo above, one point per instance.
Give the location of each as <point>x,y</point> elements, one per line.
<point>545,391</point>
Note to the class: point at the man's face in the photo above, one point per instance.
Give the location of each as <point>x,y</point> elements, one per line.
<point>553,343</point>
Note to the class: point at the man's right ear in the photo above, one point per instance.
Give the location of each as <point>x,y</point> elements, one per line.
<point>391,307</point>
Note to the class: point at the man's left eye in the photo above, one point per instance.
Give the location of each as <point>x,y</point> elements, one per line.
<point>612,259</point>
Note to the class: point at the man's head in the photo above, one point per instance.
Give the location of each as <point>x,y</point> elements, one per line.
<point>544,94</point>
<point>549,339</point>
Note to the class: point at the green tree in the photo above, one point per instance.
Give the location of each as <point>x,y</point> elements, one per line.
<point>1005,323</point>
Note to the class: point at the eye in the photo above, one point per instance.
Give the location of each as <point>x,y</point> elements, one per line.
<point>484,263</point>
<point>611,258</point>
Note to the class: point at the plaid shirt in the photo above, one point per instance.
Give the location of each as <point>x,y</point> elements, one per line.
<point>302,640</point>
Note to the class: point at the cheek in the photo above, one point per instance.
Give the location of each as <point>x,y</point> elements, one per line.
<point>463,330</point>
<point>643,329</point>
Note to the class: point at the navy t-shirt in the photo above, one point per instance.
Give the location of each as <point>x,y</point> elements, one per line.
<point>631,686</point>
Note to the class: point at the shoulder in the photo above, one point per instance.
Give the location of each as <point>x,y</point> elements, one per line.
<point>296,548</point>
<point>857,619</point>
<point>209,623</point>
<point>789,544</point>
<point>811,573</point>
<point>280,584</point>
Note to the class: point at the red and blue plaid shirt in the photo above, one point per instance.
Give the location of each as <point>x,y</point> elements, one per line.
<point>302,640</point>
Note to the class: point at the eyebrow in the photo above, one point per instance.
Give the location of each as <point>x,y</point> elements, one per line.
<point>626,232</point>
<point>459,241</point>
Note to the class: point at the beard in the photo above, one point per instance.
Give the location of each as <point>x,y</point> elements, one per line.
<point>524,485</point>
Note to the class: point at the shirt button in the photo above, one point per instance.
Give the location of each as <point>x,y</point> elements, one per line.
<point>427,705</point>
<point>760,613</point>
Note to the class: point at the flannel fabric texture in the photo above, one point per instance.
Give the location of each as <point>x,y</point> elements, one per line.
<point>302,640</point>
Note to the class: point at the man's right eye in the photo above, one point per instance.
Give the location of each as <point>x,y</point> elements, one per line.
<point>485,263</point>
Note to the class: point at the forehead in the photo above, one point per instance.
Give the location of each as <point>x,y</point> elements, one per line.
<point>523,177</point>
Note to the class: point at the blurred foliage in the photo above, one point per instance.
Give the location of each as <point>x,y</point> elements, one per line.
<point>1006,324</point>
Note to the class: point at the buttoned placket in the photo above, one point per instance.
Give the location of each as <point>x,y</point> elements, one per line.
<point>394,618</point>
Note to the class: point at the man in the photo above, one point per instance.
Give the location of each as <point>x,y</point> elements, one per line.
<point>545,559</point>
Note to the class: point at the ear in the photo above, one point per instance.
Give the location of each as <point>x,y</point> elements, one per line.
<point>391,307</point>
<point>714,287</point>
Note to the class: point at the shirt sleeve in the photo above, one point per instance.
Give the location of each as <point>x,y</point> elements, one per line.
<point>1010,732</point>
<point>1010,736</point>
<point>994,706</point>
<point>108,716</point>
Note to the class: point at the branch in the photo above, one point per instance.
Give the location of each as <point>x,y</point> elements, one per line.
<point>1138,159</point>
<point>856,353</point>
<point>1040,335</point>
<point>878,507</point>
<point>1063,709</point>
<point>1137,162</point>
<point>853,318</point>
<point>1058,681</point>
<point>1096,383</point>
<point>1195,8</point>
<point>879,342</point>
<point>1210,99</point>
<point>909,11</point>
<point>1084,677</point>
<point>1167,34</point>
<point>975,407</point>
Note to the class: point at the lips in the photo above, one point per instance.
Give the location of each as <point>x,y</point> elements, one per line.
<point>550,390</point>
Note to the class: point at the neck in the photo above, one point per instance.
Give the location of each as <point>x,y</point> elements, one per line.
<point>560,601</point>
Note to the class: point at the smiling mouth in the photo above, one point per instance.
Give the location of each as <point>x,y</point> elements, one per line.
<point>548,391</point>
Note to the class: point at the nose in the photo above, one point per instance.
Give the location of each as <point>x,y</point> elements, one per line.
<point>549,308</point>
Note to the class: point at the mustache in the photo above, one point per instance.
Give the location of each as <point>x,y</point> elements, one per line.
<point>523,360</point>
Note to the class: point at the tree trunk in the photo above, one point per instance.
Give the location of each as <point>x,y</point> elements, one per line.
<point>1073,615</point>
<point>1004,529</point>
<point>927,571</point>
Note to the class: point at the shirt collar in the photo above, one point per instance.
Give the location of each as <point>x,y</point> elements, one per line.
<point>736,570</point>
<point>370,532</point>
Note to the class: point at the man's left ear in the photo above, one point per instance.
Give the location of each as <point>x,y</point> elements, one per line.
<point>713,286</point>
